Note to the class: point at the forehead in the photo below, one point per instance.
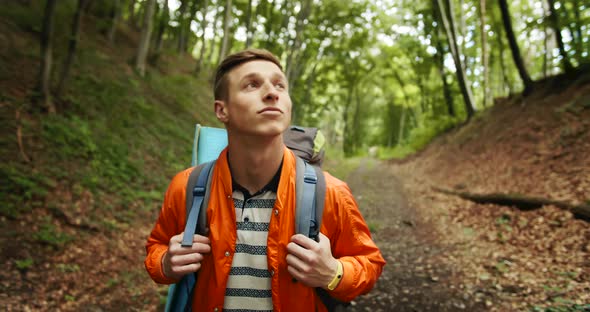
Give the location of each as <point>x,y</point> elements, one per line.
<point>256,67</point>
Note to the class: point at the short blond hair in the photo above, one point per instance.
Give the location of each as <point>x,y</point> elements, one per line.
<point>220,90</point>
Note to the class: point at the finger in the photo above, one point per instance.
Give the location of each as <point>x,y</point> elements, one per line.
<point>297,263</point>
<point>176,238</point>
<point>295,273</point>
<point>186,269</point>
<point>304,241</point>
<point>181,260</point>
<point>194,248</point>
<point>201,239</point>
<point>298,251</point>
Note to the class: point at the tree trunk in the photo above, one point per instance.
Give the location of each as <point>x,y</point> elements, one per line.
<point>567,66</point>
<point>524,75</point>
<point>440,61</point>
<point>75,36</point>
<point>187,28</point>
<point>46,57</point>
<point>203,40</point>
<point>144,41</point>
<point>545,44</point>
<point>484,52</point>
<point>164,19</point>
<point>131,9</point>
<point>402,125</point>
<point>449,26</point>
<point>580,41</point>
<point>501,50</point>
<point>116,16</point>
<point>249,24</point>
<point>212,45</point>
<point>226,31</point>
<point>299,28</point>
<point>268,26</point>
<point>181,26</point>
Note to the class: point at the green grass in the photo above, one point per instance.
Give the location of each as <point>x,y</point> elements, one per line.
<point>117,136</point>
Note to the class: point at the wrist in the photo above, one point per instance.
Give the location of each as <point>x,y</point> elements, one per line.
<point>337,277</point>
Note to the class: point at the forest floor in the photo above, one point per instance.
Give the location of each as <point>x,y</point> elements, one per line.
<point>445,253</point>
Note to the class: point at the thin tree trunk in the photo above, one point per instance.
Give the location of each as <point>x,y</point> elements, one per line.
<point>164,19</point>
<point>299,28</point>
<point>116,14</point>
<point>449,26</point>
<point>505,79</point>
<point>131,9</point>
<point>268,26</point>
<point>484,52</point>
<point>203,40</point>
<point>249,24</point>
<point>567,66</point>
<point>46,57</point>
<point>524,75</point>
<point>226,31</point>
<point>545,44</point>
<point>75,36</point>
<point>187,30</point>
<point>144,41</point>
<point>440,61</point>
<point>212,45</point>
<point>402,125</point>
<point>579,45</point>
<point>181,26</point>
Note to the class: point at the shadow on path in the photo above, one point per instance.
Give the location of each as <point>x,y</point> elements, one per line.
<point>415,277</point>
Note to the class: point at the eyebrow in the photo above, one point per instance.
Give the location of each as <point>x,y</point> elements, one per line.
<point>275,75</point>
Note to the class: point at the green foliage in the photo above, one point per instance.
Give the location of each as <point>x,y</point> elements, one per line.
<point>49,234</point>
<point>22,185</point>
<point>68,267</point>
<point>24,264</point>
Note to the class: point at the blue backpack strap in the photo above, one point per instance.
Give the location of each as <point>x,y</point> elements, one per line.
<point>198,195</point>
<point>308,209</point>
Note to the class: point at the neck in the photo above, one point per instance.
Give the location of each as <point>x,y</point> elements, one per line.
<point>254,160</point>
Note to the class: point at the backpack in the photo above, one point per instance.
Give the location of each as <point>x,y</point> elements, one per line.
<point>307,145</point>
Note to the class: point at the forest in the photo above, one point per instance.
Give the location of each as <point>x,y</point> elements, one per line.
<point>471,116</point>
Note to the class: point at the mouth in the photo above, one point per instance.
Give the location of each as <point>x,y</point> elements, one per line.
<point>270,109</point>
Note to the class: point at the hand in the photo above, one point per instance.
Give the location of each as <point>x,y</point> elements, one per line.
<point>311,262</point>
<point>179,261</point>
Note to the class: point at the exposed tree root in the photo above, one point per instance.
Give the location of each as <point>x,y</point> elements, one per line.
<point>521,202</point>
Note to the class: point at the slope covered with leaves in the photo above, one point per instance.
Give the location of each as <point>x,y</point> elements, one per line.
<point>509,259</point>
<point>81,188</point>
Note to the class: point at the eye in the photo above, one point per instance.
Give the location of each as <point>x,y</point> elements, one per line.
<point>281,85</point>
<point>252,85</point>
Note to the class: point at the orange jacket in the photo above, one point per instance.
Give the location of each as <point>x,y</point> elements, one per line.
<point>342,223</point>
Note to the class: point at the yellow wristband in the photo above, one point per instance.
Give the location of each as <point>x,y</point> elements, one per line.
<point>337,277</point>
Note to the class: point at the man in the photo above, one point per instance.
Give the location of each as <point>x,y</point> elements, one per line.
<point>252,260</point>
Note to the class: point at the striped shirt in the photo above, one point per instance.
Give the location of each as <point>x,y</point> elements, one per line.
<point>249,283</point>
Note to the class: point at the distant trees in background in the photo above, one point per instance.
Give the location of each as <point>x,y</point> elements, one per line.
<point>390,75</point>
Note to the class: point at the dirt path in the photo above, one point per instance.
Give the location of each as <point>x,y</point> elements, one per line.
<point>415,278</point>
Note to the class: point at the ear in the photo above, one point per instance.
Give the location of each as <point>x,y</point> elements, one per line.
<point>221,111</point>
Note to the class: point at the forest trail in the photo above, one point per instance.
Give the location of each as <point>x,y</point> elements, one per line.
<point>414,279</point>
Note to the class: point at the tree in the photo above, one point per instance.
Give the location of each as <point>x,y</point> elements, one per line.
<point>567,66</point>
<point>203,40</point>
<point>249,24</point>
<point>449,25</point>
<point>46,57</point>
<point>226,31</point>
<point>144,41</point>
<point>73,43</point>
<point>116,16</point>
<point>524,75</point>
<point>297,41</point>
<point>484,51</point>
<point>164,19</point>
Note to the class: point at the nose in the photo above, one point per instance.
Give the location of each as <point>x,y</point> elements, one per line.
<point>271,93</point>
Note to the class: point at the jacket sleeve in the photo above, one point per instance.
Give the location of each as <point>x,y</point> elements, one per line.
<point>170,222</point>
<point>351,243</point>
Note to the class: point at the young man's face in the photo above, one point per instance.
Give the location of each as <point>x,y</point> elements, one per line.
<point>258,101</point>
